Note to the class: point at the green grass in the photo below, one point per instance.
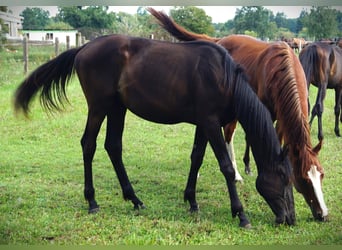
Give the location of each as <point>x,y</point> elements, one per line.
<point>41,183</point>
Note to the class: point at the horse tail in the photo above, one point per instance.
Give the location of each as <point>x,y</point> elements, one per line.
<point>176,30</point>
<point>312,64</point>
<point>51,79</point>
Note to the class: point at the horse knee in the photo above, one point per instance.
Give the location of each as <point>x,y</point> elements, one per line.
<point>228,171</point>
<point>337,111</point>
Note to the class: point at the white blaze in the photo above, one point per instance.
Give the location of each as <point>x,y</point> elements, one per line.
<point>315,177</point>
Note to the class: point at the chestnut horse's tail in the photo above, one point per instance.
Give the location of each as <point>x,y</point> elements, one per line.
<point>177,31</point>
<point>51,79</point>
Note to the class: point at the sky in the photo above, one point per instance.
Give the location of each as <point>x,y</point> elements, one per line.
<point>219,14</point>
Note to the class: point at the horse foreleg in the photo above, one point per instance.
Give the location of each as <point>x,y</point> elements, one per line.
<point>246,159</point>
<point>198,151</point>
<point>88,143</point>
<point>113,146</point>
<point>214,135</point>
<point>229,132</point>
<point>337,109</point>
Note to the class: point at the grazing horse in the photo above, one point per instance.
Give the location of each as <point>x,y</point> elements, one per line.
<point>277,77</point>
<point>322,64</point>
<point>195,82</point>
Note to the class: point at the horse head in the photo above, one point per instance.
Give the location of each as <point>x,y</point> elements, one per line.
<point>276,188</point>
<point>309,184</point>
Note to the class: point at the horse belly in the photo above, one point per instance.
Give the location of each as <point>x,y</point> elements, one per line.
<point>157,106</point>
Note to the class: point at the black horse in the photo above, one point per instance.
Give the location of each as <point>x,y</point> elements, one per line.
<point>322,64</point>
<point>195,82</point>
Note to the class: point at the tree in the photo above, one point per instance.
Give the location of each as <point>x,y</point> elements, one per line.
<point>193,19</point>
<point>35,18</point>
<point>3,28</point>
<point>91,21</point>
<point>255,18</point>
<point>280,20</point>
<point>72,15</point>
<point>321,22</point>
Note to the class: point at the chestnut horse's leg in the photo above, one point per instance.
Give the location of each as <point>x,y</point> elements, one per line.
<point>113,145</point>
<point>198,151</point>
<point>229,132</point>
<point>337,109</point>
<point>246,159</point>
<point>214,135</point>
<point>318,109</point>
<point>88,142</point>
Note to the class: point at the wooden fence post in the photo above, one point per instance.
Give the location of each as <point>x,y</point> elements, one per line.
<point>68,42</point>
<point>56,46</point>
<point>25,49</point>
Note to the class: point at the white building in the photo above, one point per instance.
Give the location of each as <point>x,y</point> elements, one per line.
<point>51,35</point>
<point>14,24</point>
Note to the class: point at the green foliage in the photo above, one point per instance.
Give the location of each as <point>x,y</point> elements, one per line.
<point>257,19</point>
<point>193,19</point>
<point>321,22</point>
<point>3,32</point>
<point>35,18</point>
<point>58,26</point>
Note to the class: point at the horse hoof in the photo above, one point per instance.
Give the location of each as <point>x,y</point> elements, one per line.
<point>139,206</point>
<point>93,210</point>
<point>193,209</point>
<point>246,226</point>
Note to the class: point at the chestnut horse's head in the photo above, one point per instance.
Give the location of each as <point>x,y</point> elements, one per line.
<point>309,184</point>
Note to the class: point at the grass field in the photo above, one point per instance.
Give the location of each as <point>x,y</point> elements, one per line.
<point>41,182</point>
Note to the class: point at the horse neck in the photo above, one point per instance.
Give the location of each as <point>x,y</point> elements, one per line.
<point>289,93</point>
<point>257,124</point>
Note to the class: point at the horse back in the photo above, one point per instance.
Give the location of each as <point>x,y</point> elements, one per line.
<point>158,81</point>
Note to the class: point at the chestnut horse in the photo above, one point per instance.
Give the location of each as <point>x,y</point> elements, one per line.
<point>277,77</point>
<point>195,82</point>
<point>322,64</point>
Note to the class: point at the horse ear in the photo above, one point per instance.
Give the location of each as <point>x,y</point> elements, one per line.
<point>318,147</point>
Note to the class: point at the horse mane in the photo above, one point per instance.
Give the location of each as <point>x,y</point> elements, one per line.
<point>280,71</point>
<point>257,124</point>
<point>289,79</point>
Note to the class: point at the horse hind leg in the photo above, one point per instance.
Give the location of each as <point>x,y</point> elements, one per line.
<point>318,109</point>
<point>197,154</point>
<point>113,146</point>
<point>88,143</point>
<point>229,132</point>
<point>246,159</point>
<point>337,109</point>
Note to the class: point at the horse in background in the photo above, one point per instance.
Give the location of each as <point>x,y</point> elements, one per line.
<point>322,64</point>
<point>277,77</point>
<point>297,44</point>
<point>195,82</point>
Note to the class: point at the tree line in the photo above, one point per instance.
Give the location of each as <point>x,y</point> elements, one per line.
<point>320,22</point>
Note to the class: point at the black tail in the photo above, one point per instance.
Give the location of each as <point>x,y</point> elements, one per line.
<point>51,78</point>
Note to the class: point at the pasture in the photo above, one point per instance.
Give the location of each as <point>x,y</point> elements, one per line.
<point>41,181</point>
